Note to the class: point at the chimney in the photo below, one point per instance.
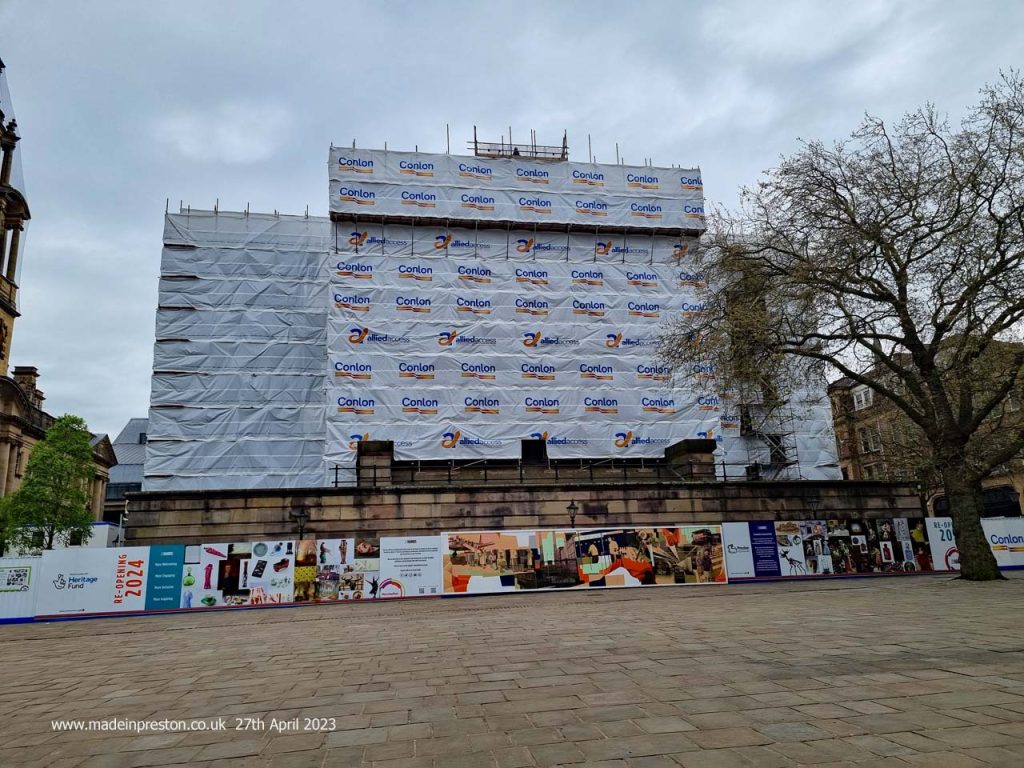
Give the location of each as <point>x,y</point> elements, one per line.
<point>26,376</point>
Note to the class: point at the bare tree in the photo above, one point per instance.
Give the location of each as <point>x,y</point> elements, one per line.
<point>895,258</point>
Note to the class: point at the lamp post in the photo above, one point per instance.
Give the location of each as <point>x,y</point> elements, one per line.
<point>301,516</point>
<point>813,502</point>
<point>120,539</point>
<point>572,509</point>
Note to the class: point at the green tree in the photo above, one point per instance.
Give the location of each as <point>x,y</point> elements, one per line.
<point>54,497</point>
<point>895,258</point>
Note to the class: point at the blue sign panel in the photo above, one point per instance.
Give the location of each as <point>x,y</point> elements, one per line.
<point>163,585</point>
<point>764,550</point>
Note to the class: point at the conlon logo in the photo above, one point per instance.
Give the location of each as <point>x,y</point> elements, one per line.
<point>419,371</point>
<point>357,195</point>
<point>355,165</point>
<point>588,277</point>
<point>481,371</point>
<point>412,304</point>
<point>589,308</point>
<point>533,175</point>
<point>360,406</point>
<point>352,303</point>
<point>642,279</point>
<point>691,279</point>
<point>597,208</point>
<point>653,373</point>
<point>651,211</point>
<point>488,406</point>
<point>604,405</point>
<point>360,371</point>
<point>418,199</point>
<point>596,372</point>
<point>535,205</point>
<point>477,275</point>
<point>589,178</point>
<point>415,168</point>
<point>709,403</point>
<point>417,272</point>
<point>690,182</point>
<point>476,171</point>
<point>690,309</point>
<point>547,405</point>
<point>642,181</point>
<point>531,276</point>
<point>354,270</point>
<point>536,307</point>
<point>537,371</point>
<point>643,309</point>
<point>473,306</point>
<point>692,211</point>
<point>478,202</point>
<point>421,406</point>
<point>658,405</point>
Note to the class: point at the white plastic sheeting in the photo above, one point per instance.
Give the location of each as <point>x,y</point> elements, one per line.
<point>366,182</point>
<point>283,341</point>
<point>237,399</point>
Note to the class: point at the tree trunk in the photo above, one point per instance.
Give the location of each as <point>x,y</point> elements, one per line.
<point>966,503</point>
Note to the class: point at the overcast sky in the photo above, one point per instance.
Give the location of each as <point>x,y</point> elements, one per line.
<point>125,104</point>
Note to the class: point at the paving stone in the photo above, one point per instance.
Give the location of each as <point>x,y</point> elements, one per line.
<point>729,737</point>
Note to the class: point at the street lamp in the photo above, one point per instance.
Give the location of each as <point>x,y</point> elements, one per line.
<point>572,509</point>
<point>301,516</point>
<point>813,503</point>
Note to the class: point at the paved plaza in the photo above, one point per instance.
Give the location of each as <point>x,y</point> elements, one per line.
<point>911,671</point>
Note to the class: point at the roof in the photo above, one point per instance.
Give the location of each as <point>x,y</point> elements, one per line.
<point>128,448</point>
<point>129,435</point>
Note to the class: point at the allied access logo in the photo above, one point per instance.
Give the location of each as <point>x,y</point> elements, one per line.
<point>642,181</point>
<point>356,196</point>
<point>475,275</point>
<point>352,303</point>
<point>609,248</point>
<point>358,406</point>
<point>476,171</point>
<point>364,336</point>
<point>416,168</point>
<point>618,341</point>
<point>473,306</point>
<point>653,373</point>
<point>596,372</point>
<point>450,338</point>
<point>529,245</point>
<point>354,440</point>
<point>546,405</point>
<point>589,308</point>
<point>418,199</point>
<point>623,439</point>
<point>359,238</point>
<point>355,371</point>
<point>602,405</point>
<point>479,371</point>
<point>485,406</point>
<point>420,406</point>
<point>532,339</point>
<point>454,438</point>
<point>355,165</point>
<point>588,178</point>
<point>629,437</point>
<point>354,270</point>
<point>537,371</point>
<point>554,440</point>
<point>418,371</point>
<point>679,250</point>
<point>533,307</point>
<point>591,278</point>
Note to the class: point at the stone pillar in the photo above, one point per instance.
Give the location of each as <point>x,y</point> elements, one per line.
<point>97,498</point>
<point>12,465</point>
<point>12,259</point>
<point>4,456</point>
<point>3,245</point>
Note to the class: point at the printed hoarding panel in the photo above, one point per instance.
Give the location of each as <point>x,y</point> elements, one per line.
<point>1006,538</point>
<point>410,567</point>
<point>87,580</point>
<point>19,582</point>
<point>942,543</point>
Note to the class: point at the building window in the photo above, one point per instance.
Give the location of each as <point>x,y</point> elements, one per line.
<point>862,398</point>
<point>142,438</point>
<point>870,440</point>
<point>871,472</point>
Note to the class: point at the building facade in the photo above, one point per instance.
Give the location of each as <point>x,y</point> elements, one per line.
<point>876,442</point>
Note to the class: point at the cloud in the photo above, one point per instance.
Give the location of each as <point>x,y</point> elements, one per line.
<point>235,132</point>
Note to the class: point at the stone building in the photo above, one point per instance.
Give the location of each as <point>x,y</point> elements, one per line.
<point>23,422</point>
<point>876,442</point>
